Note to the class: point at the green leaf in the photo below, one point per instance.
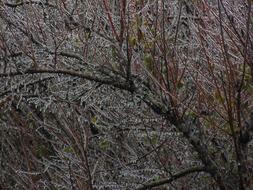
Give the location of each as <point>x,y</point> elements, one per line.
<point>114,52</point>
<point>30,125</point>
<point>68,149</point>
<point>148,45</point>
<point>94,120</point>
<point>133,41</point>
<point>191,114</point>
<point>219,97</point>
<point>156,178</point>
<point>104,144</point>
<point>154,139</point>
<point>41,151</point>
<point>77,42</point>
<point>180,84</point>
<point>149,62</point>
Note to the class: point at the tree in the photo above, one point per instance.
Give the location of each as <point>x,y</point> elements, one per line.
<point>138,71</point>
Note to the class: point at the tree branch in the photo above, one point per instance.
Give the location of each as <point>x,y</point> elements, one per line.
<point>14,5</point>
<point>113,82</point>
<point>172,178</point>
<point>40,44</point>
<point>247,132</point>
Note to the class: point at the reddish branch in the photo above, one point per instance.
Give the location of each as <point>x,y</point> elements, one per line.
<point>110,20</point>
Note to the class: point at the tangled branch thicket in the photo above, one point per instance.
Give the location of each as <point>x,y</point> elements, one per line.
<point>129,94</point>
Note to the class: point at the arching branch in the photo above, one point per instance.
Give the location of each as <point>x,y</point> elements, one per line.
<point>112,82</point>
